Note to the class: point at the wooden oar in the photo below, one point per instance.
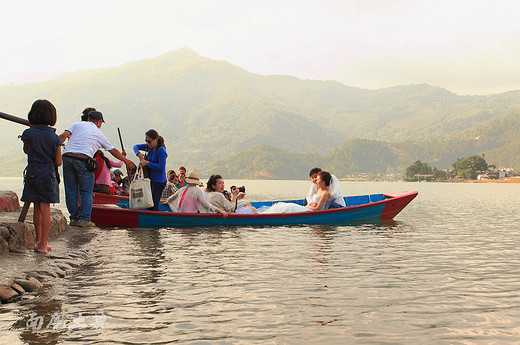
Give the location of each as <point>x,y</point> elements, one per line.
<point>14,119</point>
<point>120,140</point>
<point>21,121</point>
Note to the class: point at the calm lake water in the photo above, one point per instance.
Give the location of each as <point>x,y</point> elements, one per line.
<point>445,271</point>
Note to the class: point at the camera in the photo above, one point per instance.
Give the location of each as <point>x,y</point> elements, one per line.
<point>240,189</point>
<point>227,195</point>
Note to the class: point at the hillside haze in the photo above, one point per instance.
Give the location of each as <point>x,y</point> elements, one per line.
<point>210,110</point>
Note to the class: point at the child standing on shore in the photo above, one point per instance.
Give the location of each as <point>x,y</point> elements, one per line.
<point>43,149</point>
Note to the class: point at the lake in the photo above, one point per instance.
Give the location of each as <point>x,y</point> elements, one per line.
<point>444,271</point>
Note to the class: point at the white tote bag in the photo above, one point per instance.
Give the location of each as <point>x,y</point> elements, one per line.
<point>140,191</point>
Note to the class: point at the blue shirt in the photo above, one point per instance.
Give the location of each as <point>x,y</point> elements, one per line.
<point>156,161</point>
<point>42,143</point>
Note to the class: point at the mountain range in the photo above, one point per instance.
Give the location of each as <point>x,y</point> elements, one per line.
<point>215,116</point>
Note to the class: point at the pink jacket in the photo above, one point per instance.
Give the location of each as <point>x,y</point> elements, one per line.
<point>104,175</point>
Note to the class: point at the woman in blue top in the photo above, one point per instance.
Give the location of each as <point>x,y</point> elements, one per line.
<point>43,149</point>
<point>156,162</point>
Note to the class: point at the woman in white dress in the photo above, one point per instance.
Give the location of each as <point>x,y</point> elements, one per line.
<point>336,197</point>
<point>321,198</point>
<point>323,195</point>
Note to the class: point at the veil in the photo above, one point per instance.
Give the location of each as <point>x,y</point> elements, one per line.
<point>334,186</point>
<point>335,192</point>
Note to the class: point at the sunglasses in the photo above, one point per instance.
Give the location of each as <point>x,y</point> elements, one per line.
<point>149,141</point>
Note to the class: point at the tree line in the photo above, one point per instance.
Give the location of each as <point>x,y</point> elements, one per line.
<point>466,168</point>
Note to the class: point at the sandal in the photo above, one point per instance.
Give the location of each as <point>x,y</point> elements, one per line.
<point>41,251</point>
<point>49,248</point>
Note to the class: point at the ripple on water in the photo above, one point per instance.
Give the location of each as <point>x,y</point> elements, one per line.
<point>445,271</point>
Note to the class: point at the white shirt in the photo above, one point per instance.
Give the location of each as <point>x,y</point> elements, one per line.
<point>193,201</point>
<point>313,190</point>
<point>86,138</point>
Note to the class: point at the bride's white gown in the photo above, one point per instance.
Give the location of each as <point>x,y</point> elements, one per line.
<point>288,207</point>
<point>283,207</point>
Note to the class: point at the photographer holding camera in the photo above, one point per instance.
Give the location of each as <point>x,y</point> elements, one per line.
<point>217,197</point>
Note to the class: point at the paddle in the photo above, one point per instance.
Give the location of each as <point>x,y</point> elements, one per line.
<point>120,140</point>
<point>21,121</point>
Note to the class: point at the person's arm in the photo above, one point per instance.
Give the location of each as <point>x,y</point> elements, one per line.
<point>200,197</point>
<point>116,164</point>
<point>137,148</point>
<point>65,135</point>
<point>223,213</point>
<point>171,201</point>
<point>323,199</point>
<point>59,160</point>
<point>233,200</point>
<point>219,201</point>
<point>116,153</point>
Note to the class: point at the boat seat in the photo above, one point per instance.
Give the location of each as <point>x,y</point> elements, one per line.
<point>357,200</point>
<point>376,197</point>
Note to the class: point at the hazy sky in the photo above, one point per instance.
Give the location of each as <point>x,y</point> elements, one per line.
<point>466,46</point>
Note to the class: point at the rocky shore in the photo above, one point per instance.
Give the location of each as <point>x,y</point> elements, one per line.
<point>23,270</point>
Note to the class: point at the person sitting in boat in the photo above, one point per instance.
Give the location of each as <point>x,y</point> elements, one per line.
<point>190,199</point>
<point>321,198</point>
<point>336,197</point>
<point>116,188</point>
<point>84,113</point>
<point>130,175</point>
<point>103,180</point>
<point>117,177</point>
<point>171,187</point>
<point>182,180</point>
<point>217,198</point>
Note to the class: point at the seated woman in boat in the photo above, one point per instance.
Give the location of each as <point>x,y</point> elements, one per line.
<point>321,198</point>
<point>216,197</point>
<point>190,199</point>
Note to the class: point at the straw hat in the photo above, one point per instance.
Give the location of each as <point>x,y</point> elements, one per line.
<point>193,178</point>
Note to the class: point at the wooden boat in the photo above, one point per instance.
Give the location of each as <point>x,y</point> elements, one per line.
<point>100,198</point>
<point>359,209</point>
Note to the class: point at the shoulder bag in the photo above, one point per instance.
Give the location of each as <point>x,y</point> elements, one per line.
<point>140,191</point>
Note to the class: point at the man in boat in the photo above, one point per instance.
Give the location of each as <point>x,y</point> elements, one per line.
<point>337,199</point>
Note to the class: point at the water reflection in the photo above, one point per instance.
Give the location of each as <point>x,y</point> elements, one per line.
<point>149,255</point>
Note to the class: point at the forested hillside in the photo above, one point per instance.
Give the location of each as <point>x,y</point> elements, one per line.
<point>210,111</point>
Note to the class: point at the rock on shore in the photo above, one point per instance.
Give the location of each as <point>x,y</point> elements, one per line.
<point>24,271</point>
<point>16,236</point>
<point>9,201</point>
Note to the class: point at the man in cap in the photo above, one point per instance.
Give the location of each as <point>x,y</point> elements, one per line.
<point>85,138</point>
